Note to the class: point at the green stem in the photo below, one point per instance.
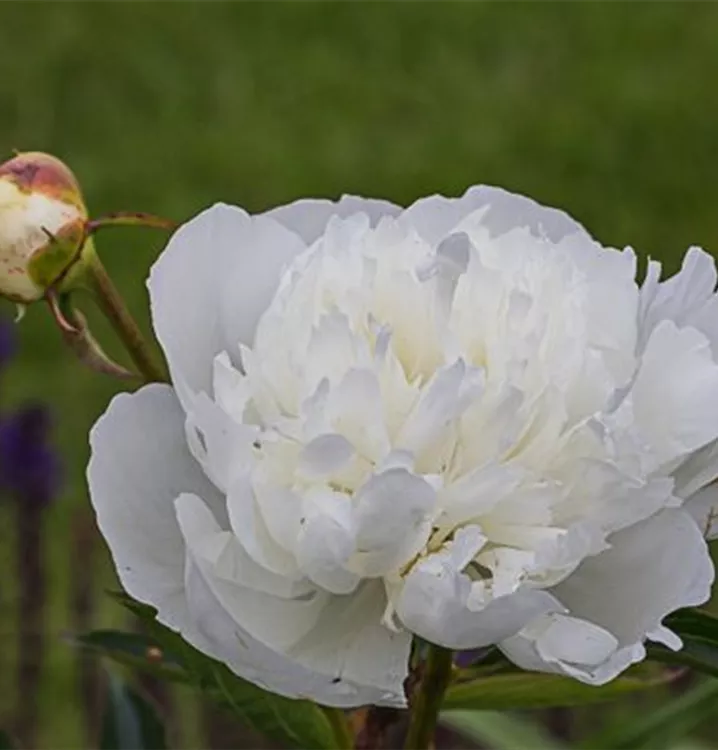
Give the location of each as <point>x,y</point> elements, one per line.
<point>340,728</point>
<point>428,697</point>
<point>113,306</point>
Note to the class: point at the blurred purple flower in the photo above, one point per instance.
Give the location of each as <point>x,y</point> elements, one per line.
<point>29,476</point>
<point>467,658</point>
<point>29,468</point>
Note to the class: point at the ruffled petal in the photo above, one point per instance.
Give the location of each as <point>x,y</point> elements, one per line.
<point>703,507</point>
<point>651,569</point>
<point>309,218</point>
<point>672,403</point>
<point>329,649</point>
<point>392,515</point>
<point>209,287</point>
<point>687,298</point>
<point>617,599</point>
<point>326,541</point>
<point>139,464</point>
<point>440,603</point>
<point>567,645</point>
<point>434,217</point>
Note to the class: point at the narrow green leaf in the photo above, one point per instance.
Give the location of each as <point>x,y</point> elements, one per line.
<point>690,743</point>
<point>299,723</point>
<point>694,622</point>
<point>145,612</point>
<point>500,731</point>
<point>129,722</point>
<point>697,653</point>
<point>533,690</point>
<point>294,723</point>
<point>699,631</point>
<point>133,650</point>
<point>675,720</point>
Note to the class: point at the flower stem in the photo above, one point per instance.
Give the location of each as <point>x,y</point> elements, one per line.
<point>340,726</point>
<point>113,306</point>
<point>32,608</point>
<point>428,697</point>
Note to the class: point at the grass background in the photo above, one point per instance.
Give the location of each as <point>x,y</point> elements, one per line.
<point>607,110</point>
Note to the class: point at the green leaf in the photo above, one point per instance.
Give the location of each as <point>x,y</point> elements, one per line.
<point>130,722</point>
<point>697,653</point>
<point>690,743</point>
<point>660,728</point>
<point>500,731</point>
<point>694,622</point>
<point>133,650</point>
<point>294,723</point>
<point>699,631</point>
<point>298,723</point>
<point>533,690</point>
<point>6,742</point>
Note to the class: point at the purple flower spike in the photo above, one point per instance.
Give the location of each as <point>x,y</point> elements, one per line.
<point>29,468</point>
<point>465,659</point>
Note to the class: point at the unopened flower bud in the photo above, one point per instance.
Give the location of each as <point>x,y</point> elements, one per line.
<point>42,225</point>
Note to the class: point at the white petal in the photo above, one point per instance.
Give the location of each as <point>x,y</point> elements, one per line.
<point>698,470</point>
<point>441,604</point>
<point>350,641</point>
<point>326,540</point>
<point>686,298</point>
<point>325,454</point>
<point>276,620</point>
<point>249,526</point>
<point>234,626</point>
<point>392,516</point>
<point>478,491</point>
<point>222,551</point>
<point>309,218</point>
<point>139,464</point>
<point>674,394</point>
<point>281,510</point>
<point>567,645</point>
<point>436,216</point>
<point>667,637</point>
<point>703,507</point>
<point>231,388</point>
<point>652,569</point>
<point>443,271</point>
<point>332,350</point>
<point>219,636</point>
<point>219,443</point>
<point>617,599</point>
<point>210,285</point>
<point>565,641</point>
<point>354,408</point>
<point>601,492</point>
<point>444,399</point>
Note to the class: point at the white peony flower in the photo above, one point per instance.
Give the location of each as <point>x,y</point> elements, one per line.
<point>463,420</point>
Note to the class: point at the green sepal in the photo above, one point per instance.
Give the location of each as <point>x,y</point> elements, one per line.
<point>62,252</point>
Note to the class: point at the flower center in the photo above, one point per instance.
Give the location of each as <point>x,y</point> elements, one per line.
<point>401,392</point>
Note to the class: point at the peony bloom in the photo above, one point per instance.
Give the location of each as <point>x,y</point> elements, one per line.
<point>463,420</point>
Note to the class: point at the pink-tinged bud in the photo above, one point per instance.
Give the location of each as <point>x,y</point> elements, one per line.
<point>42,225</point>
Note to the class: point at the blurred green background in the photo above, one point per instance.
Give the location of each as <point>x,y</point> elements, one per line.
<point>607,110</point>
